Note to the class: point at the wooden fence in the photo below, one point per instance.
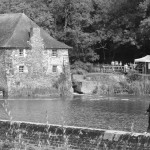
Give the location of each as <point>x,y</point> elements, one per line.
<point>116,69</point>
<point>110,69</point>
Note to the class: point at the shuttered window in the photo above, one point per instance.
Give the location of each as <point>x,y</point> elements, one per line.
<point>54,68</point>
<point>21,69</point>
<point>54,52</point>
<point>21,52</point>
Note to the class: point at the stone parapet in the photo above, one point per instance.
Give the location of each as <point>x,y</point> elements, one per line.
<point>48,136</point>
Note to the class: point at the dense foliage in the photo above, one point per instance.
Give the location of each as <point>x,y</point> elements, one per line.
<point>98,30</point>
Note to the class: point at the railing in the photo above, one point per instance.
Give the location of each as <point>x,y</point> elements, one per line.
<point>115,69</point>
<point>110,69</point>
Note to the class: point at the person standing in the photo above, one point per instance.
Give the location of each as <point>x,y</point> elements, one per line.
<point>125,68</point>
<point>148,112</point>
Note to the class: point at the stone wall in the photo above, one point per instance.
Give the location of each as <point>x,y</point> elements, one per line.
<point>46,136</point>
<point>37,65</point>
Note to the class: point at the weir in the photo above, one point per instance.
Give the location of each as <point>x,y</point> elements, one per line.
<point>50,136</point>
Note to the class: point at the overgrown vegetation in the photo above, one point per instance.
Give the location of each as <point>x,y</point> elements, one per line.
<point>113,84</point>
<point>64,83</point>
<point>138,84</point>
<point>34,88</point>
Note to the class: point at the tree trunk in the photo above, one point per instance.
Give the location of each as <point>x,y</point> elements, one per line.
<point>66,20</point>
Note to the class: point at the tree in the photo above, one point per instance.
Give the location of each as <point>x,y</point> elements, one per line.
<point>96,29</point>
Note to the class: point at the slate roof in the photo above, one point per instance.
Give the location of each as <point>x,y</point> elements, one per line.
<point>15,29</point>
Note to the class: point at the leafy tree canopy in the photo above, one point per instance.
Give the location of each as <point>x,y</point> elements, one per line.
<point>98,30</point>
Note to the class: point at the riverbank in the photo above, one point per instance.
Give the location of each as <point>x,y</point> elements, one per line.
<point>107,84</point>
<point>112,84</point>
<point>36,136</point>
<point>53,86</point>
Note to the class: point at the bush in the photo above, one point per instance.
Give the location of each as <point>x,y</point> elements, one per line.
<point>133,76</point>
<point>141,87</point>
<point>126,88</point>
<point>78,71</point>
<point>81,68</point>
<point>63,85</point>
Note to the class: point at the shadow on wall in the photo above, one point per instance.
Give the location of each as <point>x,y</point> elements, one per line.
<point>4,92</point>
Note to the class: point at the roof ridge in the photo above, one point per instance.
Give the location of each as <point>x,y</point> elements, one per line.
<point>14,29</point>
<point>10,14</point>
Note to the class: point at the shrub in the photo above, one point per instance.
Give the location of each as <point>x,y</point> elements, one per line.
<point>81,68</point>
<point>78,71</point>
<point>63,85</point>
<point>133,76</point>
<point>126,87</point>
<point>141,87</point>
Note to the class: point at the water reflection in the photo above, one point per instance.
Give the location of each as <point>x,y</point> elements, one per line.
<point>98,112</point>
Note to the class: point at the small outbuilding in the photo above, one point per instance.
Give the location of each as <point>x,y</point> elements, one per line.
<point>143,64</point>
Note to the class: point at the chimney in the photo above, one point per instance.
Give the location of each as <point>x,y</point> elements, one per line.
<point>35,38</point>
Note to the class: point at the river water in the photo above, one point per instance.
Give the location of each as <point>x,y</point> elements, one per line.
<point>117,113</point>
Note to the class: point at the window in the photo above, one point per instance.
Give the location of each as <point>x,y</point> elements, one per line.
<point>21,52</point>
<point>21,69</point>
<point>54,52</point>
<point>54,69</point>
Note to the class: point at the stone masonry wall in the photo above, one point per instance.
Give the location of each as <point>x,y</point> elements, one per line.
<point>37,64</point>
<point>46,137</point>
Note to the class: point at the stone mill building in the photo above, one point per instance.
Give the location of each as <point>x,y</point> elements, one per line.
<point>29,57</point>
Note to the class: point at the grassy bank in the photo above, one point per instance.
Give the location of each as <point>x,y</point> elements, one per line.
<point>116,84</point>
<point>42,87</point>
<point>120,84</point>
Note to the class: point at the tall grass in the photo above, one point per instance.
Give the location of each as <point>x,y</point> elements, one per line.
<point>118,84</point>
<point>64,84</point>
<point>140,87</point>
<point>34,88</point>
<point>138,84</point>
